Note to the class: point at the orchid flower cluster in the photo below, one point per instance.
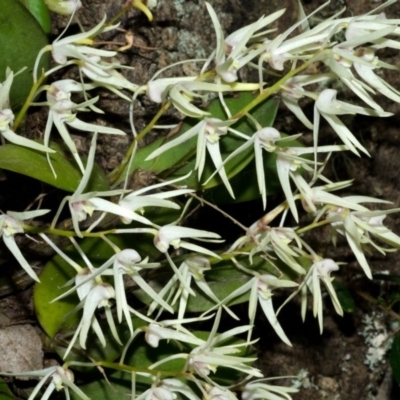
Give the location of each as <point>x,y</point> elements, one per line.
<point>269,258</point>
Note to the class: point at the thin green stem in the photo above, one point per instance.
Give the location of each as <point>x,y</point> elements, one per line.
<point>118,15</point>
<point>65,233</point>
<point>28,102</point>
<point>116,173</point>
<point>274,88</point>
<point>128,368</point>
<point>313,226</point>
<point>267,93</point>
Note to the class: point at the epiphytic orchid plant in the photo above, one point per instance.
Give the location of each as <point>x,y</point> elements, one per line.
<point>135,259</point>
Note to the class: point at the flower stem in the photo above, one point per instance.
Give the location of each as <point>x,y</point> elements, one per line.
<point>117,172</point>
<point>28,102</point>
<point>274,88</point>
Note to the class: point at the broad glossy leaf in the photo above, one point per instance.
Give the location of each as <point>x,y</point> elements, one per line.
<point>264,113</point>
<point>244,184</point>
<point>95,350</point>
<point>5,392</point>
<point>142,356</point>
<point>57,272</point>
<point>118,387</point>
<point>395,358</point>
<point>21,39</point>
<point>41,12</point>
<point>345,297</point>
<point>53,317</point>
<point>223,279</point>
<point>387,277</point>
<point>34,164</point>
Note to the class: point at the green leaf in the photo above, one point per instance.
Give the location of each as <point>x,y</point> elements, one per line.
<point>387,277</point>
<point>54,317</point>
<point>395,358</point>
<point>21,39</point>
<point>41,12</point>
<point>223,279</point>
<point>118,386</point>
<point>344,296</point>
<point>95,350</point>
<point>5,392</point>
<point>264,113</point>
<point>245,184</point>
<point>141,356</point>
<point>34,164</point>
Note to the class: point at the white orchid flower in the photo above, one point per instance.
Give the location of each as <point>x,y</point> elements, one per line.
<point>285,243</point>
<point>98,297</point>
<point>11,224</point>
<point>172,235</point>
<point>128,262</point>
<point>62,112</point>
<point>80,50</point>
<point>208,356</point>
<point>219,393</point>
<point>76,47</point>
<point>373,29</point>
<point>320,271</point>
<point>183,90</point>
<point>64,7</point>
<point>329,107</point>
<point>292,91</point>
<point>366,72</point>
<point>344,55</point>
<point>93,293</point>
<point>138,199</point>
<point>359,227</point>
<point>58,378</point>
<point>264,138</point>
<point>232,54</point>
<point>166,389</point>
<point>105,74</point>
<point>7,119</point>
<point>261,291</point>
<point>208,132</point>
<point>258,389</point>
<point>363,30</point>
<point>192,269</point>
<point>157,89</point>
<point>288,160</point>
<point>157,331</point>
<point>260,288</point>
<point>303,46</point>
<point>83,204</point>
